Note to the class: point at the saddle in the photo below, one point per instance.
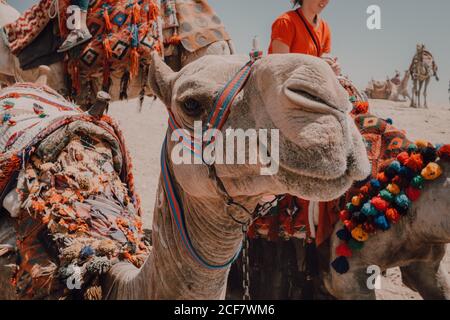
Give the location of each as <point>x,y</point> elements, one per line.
<point>124,35</point>
<point>77,218</point>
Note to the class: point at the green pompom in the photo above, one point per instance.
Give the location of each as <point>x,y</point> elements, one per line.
<point>355,245</point>
<point>350,207</point>
<point>418,182</point>
<point>386,195</point>
<point>412,148</point>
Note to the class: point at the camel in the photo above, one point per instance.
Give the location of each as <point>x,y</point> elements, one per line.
<point>10,70</point>
<point>423,67</point>
<point>401,89</point>
<point>321,154</point>
<point>380,89</point>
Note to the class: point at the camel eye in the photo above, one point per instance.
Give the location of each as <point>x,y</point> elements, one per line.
<point>192,107</point>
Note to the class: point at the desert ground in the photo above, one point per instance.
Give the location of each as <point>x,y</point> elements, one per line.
<point>144,132</point>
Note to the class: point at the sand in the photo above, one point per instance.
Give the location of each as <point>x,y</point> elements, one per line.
<point>144,132</point>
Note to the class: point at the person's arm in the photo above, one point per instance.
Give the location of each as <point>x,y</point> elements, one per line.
<point>283,33</point>
<point>280,47</point>
<point>333,62</point>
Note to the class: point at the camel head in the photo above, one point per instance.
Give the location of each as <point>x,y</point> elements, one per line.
<point>320,150</point>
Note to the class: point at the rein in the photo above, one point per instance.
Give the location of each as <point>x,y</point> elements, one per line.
<point>216,120</point>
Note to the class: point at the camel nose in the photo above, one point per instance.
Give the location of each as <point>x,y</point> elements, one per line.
<point>316,89</point>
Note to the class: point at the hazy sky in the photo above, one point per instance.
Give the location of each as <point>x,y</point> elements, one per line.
<point>363,53</point>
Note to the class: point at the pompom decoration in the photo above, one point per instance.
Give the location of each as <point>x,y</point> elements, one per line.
<point>444,152</point>
<point>343,250</point>
<point>380,204</point>
<point>341,265</point>
<point>386,195</point>
<point>393,215</point>
<point>359,234</point>
<point>418,182</point>
<point>383,201</point>
<point>402,157</point>
<point>381,222</point>
<point>415,162</point>
<point>393,188</point>
<point>344,234</point>
<point>355,245</point>
<point>432,171</point>
<point>412,193</point>
<point>402,201</point>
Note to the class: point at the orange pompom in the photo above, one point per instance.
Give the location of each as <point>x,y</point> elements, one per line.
<point>415,162</point>
<point>382,177</point>
<point>403,157</point>
<point>364,190</point>
<point>393,215</point>
<point>380,204</point>
<point>412,193</point>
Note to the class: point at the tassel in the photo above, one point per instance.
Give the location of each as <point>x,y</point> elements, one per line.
<point>136,13</point>
<point>108,24</point>
<point>124,86</point>
<point>175,39</point>
<point>75,76</point>
<point>134,68</point>
<point>153,11</point>
<point>107,47</point>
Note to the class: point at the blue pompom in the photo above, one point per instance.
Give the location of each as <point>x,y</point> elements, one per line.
<point>344,234</point>
<point>407,173</point>
<point>87,252</point>
<point>341,265</point>
<point>375,184</point>
<point>402,201</point>
<point>381,222</point>
<point>369,210</point>
<point>395,166</point>
<point>390,121</point>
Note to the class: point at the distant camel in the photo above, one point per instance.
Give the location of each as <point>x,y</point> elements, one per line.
<point>422,68</point>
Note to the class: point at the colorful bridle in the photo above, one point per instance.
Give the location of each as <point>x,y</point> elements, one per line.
<point>216,120</point>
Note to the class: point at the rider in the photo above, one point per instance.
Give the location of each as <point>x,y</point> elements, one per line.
<point>303,31</point>
<point>81,34</point>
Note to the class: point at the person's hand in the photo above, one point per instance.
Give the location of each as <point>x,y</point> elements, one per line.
<point>335,65</point>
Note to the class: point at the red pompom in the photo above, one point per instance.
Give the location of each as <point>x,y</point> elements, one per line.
<point>403,157</point>
<point>412,193</point>
<point>415,162</point>
<point>382,177</point>
<point>380,204</point>
<point>343,250</point>
<point>444,152</point>
<point>344,215</point>
<point>349,225</point>
<point>369,227</point>
<point>397,180</point>
<point>393,215</point>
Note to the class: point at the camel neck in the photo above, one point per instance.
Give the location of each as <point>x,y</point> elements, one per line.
<point>170,272</point>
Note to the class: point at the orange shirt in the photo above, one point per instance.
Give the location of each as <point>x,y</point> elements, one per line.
<point>292,31</point>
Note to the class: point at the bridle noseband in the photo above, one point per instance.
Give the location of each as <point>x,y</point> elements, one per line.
<point>216,120</point>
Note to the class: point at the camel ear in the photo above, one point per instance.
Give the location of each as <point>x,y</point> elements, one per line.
<point>160,79</point>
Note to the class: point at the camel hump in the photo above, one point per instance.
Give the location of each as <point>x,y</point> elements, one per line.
<point>43,73</point>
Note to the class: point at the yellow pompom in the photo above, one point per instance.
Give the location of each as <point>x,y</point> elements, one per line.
<point>432,171</point>
<point>356,201</point>
<point>422,143</point>
<point>393,188</point>
<point>359,234</point>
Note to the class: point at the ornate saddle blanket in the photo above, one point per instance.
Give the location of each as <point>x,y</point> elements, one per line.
<point>24,30</point>
<point>193,23</point>
<point>79,213</point>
